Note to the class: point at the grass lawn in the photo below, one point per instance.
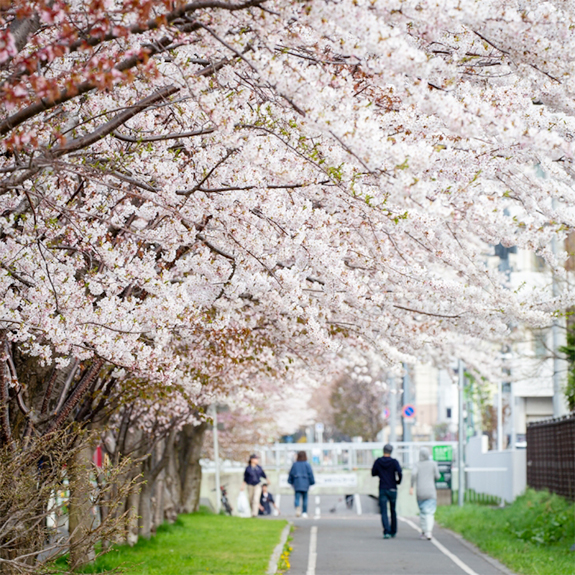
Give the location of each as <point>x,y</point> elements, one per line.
<point>532,536</point>
<point>199,543</point>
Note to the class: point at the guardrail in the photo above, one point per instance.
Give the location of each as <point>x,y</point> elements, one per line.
<point>341,456</point>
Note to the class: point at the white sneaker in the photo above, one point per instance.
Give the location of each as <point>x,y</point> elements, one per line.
<point>304,515</point>
<point>428,535</point>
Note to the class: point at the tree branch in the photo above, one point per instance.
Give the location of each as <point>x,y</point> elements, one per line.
<point>4,394</point>
<point>65,95</point>
<point>16,275</point>
<point>66,385</point>
<point>117,121</point>
<point>79,391</point>
<point>168,18</point>
<point>173,136</point>
<point>48,393</point>
<point>427,313</point>
<point>214,248</point>
<point>207,176</point>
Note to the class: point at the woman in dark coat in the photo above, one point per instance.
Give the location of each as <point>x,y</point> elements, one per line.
<point>301,479</point>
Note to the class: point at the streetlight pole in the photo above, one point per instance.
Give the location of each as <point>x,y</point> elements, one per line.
<point>559,407</point>
<point>392,410</point>
<point>461,439</point>
<point>216,456</point>
<point>513,415</point>
<point>557,395</point>
<point>500,417</point>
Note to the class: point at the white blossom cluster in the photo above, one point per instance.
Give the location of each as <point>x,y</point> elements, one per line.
<point>354,163</point>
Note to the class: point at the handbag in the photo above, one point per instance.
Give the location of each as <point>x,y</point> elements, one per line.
<point>243,505</point>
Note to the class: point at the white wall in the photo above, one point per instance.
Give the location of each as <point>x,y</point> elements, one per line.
<point>505,484</point>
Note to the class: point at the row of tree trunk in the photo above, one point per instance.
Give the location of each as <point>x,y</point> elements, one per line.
<point>166,481</point>
<point>51,422</point>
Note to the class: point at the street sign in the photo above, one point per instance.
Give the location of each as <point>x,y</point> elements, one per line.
<point>408,411</point>
<point>319,427</point>
<point>442,453</point>
<point>385,413</point>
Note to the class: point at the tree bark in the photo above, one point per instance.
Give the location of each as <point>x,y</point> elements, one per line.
<point>80,517</point>
<point>145,520</point>
<point>132,506</point>
<point>172,486</point>
<point>153,466</point>
<point>158,518</point>
<point>190,451</point>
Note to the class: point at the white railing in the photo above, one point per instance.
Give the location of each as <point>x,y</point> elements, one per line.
<point>338,456</point>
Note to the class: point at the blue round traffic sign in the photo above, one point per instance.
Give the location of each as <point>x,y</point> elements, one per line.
<point>385,412</point>
<point>408,411</point>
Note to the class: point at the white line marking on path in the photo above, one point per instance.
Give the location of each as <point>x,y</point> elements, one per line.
<point>317,508</point>
<point>312,558</point>
<point>357,503</point>
<point>443,549</point>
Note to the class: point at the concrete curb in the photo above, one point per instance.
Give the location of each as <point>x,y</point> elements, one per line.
<point>477,551</point>
<point>273,564</point>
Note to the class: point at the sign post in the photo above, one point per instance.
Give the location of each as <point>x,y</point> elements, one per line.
<point>407,403</point>
<point>461,440</point>
<point>392,410</point>
<point>408,411</point>
<point>216,456</point>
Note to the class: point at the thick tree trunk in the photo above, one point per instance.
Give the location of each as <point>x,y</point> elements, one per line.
<point>145,520</point>
<point>190,451</point>
<point>153,466</point>
<point>159,501</point>
<point>132,507</point>
<point>172,486</point>
<point>80,517</point>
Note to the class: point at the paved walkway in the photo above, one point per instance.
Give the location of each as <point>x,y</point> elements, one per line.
<point>353,545</point>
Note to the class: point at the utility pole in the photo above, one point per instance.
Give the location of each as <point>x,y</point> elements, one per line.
<point>558,408</point>
<point>406,400</point>
<point>513,410</point>
<point>392,410</point>
<point>500,417</point>
<point>216,456</point>
<point>461,438</point>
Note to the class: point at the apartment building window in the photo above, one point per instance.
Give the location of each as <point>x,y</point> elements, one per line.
<point>502,253</point>
<point>539,264</point>
<point>540,343</point>
<point>448,412</point>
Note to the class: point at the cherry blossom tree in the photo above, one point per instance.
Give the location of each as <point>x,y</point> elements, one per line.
<point>316,177</point>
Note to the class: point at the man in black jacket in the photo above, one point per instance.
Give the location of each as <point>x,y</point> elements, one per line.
<point>389,472</point>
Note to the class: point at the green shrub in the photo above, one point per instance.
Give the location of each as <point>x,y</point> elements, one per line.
<point>532,536</point>
<point>542,518</point>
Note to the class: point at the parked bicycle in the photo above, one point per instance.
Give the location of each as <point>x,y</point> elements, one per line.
<point>226,506</point>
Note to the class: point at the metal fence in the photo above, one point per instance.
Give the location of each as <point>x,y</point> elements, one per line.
<point>551,455</point>
<point>342,456</point>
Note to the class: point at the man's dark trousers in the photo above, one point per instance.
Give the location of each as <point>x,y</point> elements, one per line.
<point>386,495</point>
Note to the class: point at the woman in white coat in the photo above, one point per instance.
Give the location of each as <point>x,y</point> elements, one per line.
<point>423,476</point>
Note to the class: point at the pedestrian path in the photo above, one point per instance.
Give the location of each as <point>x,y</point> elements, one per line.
<point>331,505</point>
<point>350,545</point>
